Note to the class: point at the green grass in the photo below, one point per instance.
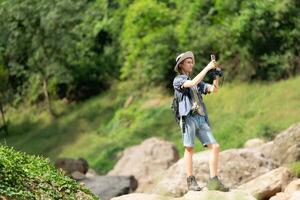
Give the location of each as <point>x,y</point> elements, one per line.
<point>295,168</point>
<point>30,177</point>
<point>101,127</point>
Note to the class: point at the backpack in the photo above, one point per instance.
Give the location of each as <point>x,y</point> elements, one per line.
<point>175,109</point>
<point>175,106</point>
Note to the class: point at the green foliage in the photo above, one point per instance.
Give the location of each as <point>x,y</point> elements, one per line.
<point>148,42</point>
<point>4,97</point>
<point>31,177</point>
<point>64,42</point>
<point>3,79</point>
<point>80,46</point>
<point>256,40</point>
<point>295,167</point>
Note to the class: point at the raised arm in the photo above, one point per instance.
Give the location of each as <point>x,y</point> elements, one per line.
<point>200,76</point>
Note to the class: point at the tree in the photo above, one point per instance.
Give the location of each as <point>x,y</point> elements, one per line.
<point>256,40</point>
<point>58,44</point>
<point>3,96</point>
<point>148,43</point>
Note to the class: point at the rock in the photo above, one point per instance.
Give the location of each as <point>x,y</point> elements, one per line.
<point>216,195</point>
<point>267,185</point>
<point>91,173</point>
<point>266,149</point>
<point>237,166</point>
<point>141,196</point>
<point>280,196</point>
<point>107,187</point>
<point>70,165</point>
<point>191,195</point>
<point>77,175</point>
<point>295,196</point>
<point>289,191</point>
<point>146,162</point>
<point>256,142</point>
<point>293,186</point>
<point>286,148</point>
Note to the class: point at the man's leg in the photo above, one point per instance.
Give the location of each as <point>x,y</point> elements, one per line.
<point>214,183</point>
<point>191,180</point>
<point>214,159</point>
<point>188,157</point>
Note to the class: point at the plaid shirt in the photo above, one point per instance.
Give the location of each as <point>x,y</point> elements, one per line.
<point>185,95</point>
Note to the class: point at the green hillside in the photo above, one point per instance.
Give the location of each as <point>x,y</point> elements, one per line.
<point>99,128</point>
<point>29,177</point>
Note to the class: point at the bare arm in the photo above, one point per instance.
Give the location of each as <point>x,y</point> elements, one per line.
<point>200,76</point>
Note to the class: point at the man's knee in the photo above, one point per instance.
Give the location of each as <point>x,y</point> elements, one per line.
<point>189,149</point>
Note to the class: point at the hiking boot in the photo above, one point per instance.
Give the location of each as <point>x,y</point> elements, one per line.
<point>215,184</point>
<point>192,183</point>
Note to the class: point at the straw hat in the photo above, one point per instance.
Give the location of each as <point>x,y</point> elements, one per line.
<point>182,57</point>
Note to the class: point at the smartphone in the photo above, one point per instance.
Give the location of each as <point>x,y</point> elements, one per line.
<point>213,57</point>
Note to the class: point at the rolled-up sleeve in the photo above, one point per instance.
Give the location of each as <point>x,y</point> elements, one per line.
<point>178,82</point>
<point>203,87</point>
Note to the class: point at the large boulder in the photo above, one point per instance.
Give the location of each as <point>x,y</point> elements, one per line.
<point>237,166</point>
<point>69,165</point>
<point>107,187</point>
<point>191,195</point>
<point>267,185</point>
<point>147,161</point>
<point>285,147</point>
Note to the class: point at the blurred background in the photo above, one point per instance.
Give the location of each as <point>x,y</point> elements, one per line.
<point>90,78</point>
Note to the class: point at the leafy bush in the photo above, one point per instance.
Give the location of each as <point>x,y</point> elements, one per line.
<point>31,177</point>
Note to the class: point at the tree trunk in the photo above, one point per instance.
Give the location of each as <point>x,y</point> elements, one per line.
<point>3,119</point>
<point>47,97</point>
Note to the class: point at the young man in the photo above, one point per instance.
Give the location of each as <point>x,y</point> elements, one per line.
<point>194,118</point>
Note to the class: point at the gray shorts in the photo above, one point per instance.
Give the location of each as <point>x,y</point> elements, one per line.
<point>195,125</point>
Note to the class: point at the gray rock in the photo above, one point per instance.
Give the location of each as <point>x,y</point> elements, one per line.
<point>77,176</point>
<point>107,187</point>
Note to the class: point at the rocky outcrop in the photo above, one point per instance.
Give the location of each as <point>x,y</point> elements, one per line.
<point>191,195</point>
<point>237,166</point>
<point>285,148</point>
<point>107,187</point>
<point>69,165</point>
<point>267,185</point>
<point>146,162</point>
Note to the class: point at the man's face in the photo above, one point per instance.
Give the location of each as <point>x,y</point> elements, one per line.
<point>187,65</point>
